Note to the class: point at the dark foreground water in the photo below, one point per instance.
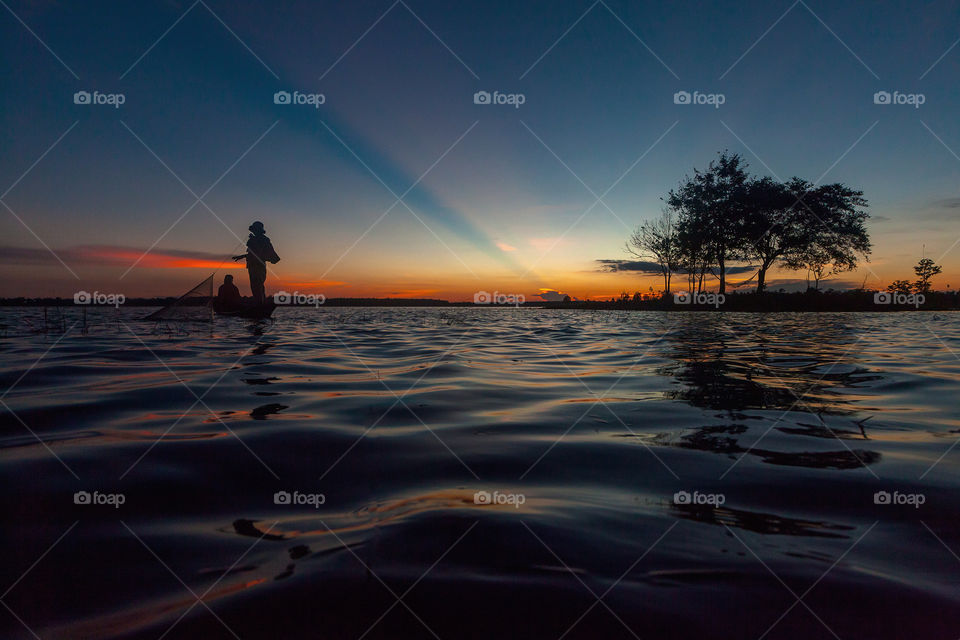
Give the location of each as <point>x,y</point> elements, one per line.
<point>483,473</point>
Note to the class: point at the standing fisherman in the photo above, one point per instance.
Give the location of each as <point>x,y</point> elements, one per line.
<point>259,252</point>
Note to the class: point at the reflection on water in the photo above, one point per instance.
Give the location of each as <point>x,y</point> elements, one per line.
<point>481,473</point>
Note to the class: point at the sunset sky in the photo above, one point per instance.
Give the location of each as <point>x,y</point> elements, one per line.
<point>493,196</point>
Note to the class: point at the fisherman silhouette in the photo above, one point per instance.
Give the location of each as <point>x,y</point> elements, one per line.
<point>228,296</point>
<point>259,253</point>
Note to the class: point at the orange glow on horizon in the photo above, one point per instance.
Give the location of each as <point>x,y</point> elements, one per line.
<point>312,284</point>
<point>413,293</point>
<point>116,255</point>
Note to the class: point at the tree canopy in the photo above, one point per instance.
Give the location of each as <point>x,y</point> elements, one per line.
<point>722,216</point>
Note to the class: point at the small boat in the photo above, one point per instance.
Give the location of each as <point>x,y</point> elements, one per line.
<point>199,305</point>
<point>249,310</point>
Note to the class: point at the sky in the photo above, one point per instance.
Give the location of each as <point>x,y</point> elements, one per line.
<point>388,178</point>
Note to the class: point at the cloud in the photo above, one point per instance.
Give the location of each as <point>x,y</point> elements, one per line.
<point>947,203</point>
<point>503,246</point>
<point>643,266</point>
<point>613,266</point>
<point>107,256</point>
<point>550,295</point>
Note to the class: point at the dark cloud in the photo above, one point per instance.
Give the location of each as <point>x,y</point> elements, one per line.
<point>553,296</point>
<point>643,266</point>
<point>947,203</point>
<point>612,266</point>
<point>106,255</point>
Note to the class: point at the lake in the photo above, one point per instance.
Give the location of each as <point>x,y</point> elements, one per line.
<point>482,473</point>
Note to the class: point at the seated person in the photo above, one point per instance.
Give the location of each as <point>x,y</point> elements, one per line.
<point>228,296</point>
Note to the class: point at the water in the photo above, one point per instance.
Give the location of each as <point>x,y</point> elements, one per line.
<point>780,428</point>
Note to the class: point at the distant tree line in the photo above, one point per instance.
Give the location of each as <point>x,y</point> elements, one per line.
<point>824,300</point>
<point>723,217</point>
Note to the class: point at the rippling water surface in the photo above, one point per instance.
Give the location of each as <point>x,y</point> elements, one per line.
<point>484,473</point>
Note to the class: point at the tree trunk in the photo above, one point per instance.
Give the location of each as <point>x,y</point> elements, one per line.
<point>761,277</point>
<point>721,263</point>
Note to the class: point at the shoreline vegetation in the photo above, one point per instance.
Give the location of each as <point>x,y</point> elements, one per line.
<point>769,301</point>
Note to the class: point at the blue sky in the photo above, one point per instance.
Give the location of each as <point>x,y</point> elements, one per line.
<point>502,201</point>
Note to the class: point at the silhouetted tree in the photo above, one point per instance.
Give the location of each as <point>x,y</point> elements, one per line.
<point>774,226</point>
<point>723,215</point>
<point>710,206</point>
<point>656,240</point>
<point>816,260</point>
<point>832,229</point>
<point>925,270</point>
<point>694,258</point>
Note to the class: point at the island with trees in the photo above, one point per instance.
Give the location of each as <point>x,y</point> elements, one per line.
<point>722,218</point>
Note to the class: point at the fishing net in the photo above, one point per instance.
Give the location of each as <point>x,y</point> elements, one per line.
<point>195,305</point>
